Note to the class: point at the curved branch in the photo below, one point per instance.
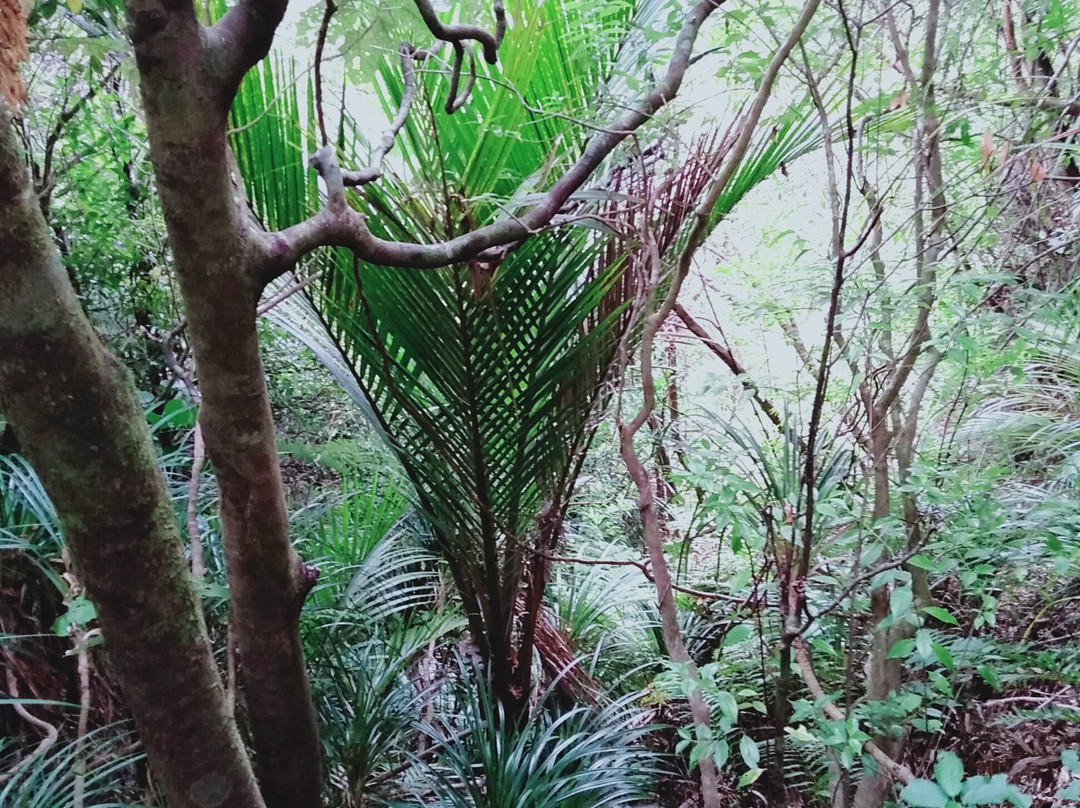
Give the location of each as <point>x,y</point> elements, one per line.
<point>459,33</point>
<point>340,226</point>
<point>454,99</point>
<point>242,38</point>
<point>374,169</point>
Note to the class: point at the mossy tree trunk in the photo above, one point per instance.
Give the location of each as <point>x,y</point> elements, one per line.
<point>79,421</point>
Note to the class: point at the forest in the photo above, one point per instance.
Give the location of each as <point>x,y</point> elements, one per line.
<point>539,403</point>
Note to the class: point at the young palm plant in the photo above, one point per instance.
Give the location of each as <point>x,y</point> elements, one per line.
<point>578,758</point>
<point>485,378</point>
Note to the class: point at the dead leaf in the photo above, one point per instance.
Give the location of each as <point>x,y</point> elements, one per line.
<point>986,149</point>
<point>1005,148</point>
<point>1036,170</point>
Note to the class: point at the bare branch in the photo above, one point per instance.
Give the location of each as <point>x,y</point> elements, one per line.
<point>733,364</point>
<point>644,568</point>
<point>51,733</point>
<point>241,39</point>
<point>374,169</point>
<point>455,100</point>
<point>198,457</point>
<point>320,44</point>
<point>459,33</point>
<point>339,225</point>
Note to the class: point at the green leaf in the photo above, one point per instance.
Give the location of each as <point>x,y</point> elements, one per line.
<point>922,562</point>
<point>943,656</point>
<point>941,614</point>
<point>989,676</point>
<point>942,684</point>
<point>923,794</point>
<point>729,707</point>
<point>983,790</point>
<point>1070,792</point>
<point>900,601</point>
<point>1071,760</point>
<point>751,755</point>
<point>79,613</point>
<point>901,649</point>
<point>738,634</point>
<point>721,753</point>
<point>949,772</point>
<point>800,733</point>
<point>749,777</point>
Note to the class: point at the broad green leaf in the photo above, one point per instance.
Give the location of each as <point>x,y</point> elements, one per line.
<point>922,793</point>
<point>800,733</point>
<point>900,602</point>
<point>80,612</point>
<point>751,755</point>
<point>749,777</point>
<point>943,656</point>
<point>1070,792</point>
<point>1070,759</point>
<point>901,649</point>
<point>982,790</point>
<point>941,614</point>
<point>990,676</point>
<point>949,772</point>
<point>738,634</point>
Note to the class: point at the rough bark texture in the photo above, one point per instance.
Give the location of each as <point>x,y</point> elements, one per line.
<point>187,87</point>
<point>76,414</point>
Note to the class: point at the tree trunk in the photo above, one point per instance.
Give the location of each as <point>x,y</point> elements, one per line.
<point>186,99</point>
<point>77,417</point>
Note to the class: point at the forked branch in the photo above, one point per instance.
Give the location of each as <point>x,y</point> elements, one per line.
<point>458,34</point>
<point>341,226</point>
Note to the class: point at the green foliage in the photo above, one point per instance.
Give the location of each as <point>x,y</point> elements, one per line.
<point>50,780</point>
<point>950,789</point>
<point>576,758</point>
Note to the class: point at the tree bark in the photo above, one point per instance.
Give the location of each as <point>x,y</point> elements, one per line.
<point>187,85</point>
<point>78,419</point>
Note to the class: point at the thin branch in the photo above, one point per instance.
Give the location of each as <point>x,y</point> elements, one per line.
<point>459,33</point>
<point>198,457</point>
<point>854,584</point>
<point>897,771</point>
<point>339,225</point>
<point>454,99</point>
<point>728,358</point>
<point>320,44</point>
<point>644,568</point>
<point>1008,30</point>
<point>375,168</point>
<point>46,181</point>
<point>51,732</point>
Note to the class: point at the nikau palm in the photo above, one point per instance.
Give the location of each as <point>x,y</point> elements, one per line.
<point>486,377</point>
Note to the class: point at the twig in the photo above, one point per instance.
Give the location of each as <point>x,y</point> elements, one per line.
<point>374,169</point>
<point>198,457</point>
<point>82,640</point>
<point>855,583</point>
<point>601,562</point>
<point>733,364</point>
<point>51,732</point>
<point>320,44</point>
<point>458,33</point>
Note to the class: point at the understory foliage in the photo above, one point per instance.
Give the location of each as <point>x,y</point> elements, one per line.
<point>865,449</point>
